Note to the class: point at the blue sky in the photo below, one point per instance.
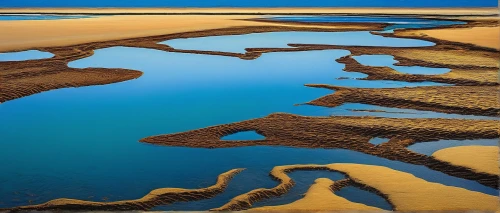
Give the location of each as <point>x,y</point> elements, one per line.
<point>248,3</point>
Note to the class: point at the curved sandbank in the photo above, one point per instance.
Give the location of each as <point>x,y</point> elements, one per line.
<point>353,133</point>
<point>320,197</point>
<point>404,191</point>
<point>479,100</point>
<point>154,198</point>
<point>478,158</point>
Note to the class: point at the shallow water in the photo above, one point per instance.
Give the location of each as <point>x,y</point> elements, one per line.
<point>428,148</point>
<point>25,55</point>
<point>388,61</point>
<point>246,135</point>
<point>40,17</point>
<point>238,43</point>
<point>396,22</point>
<point>357,109</point>
<point>83,142</point>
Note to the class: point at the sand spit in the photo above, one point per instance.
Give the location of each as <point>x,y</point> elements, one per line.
<point>320,197</point>
<point>351,133</point>
<point>404,191</point>
<point>477,100</point>
<point>478,158</point>
<point>156,197</point>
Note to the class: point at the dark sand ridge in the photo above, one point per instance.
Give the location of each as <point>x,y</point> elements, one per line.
<point>30,77</point>
<point>23,78</point>
<point>467,100</point>
<point>403,191</point>
<point>156,197</point>
<point>351,133</point>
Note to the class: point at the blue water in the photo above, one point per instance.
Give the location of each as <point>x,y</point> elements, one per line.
<point>250,3</point>
<point>428,148</point>
<point>83,142</point>
<point>238,43</point>
<point>388,61</point>
<point>396,22</point>
<point>246,135</point>
<point>378,141</point>
<point>39,17</point>
<point>25,55</point>
<point>358,195</point>
<point>349,109</point>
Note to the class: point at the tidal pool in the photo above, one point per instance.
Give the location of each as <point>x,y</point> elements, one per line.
<point>24,55</point>
<point>238,43</point>
<point>395,22</point>
<point>83,142</point>
<point>388,61</point>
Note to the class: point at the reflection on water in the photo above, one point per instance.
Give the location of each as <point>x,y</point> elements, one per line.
<point>83,142</point>
<point>24,55</point>
<point>428,148</point>
<point>395,22</point>
<point>238,43</point>
<point>388,61</point>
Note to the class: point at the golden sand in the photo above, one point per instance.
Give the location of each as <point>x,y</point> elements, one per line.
<point>409,193</point>
<point>479,158</point>
<point>480,36</point>
<point>320,198</point>
<point>48,33</point>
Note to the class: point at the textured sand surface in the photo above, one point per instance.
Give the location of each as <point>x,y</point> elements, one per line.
<point>479,158</point>
<point>480,36</point>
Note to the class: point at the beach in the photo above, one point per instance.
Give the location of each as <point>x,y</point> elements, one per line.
<point>460,103</point>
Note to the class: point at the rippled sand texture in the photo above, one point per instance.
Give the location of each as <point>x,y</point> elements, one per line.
<point>351,133</point>
<point>404,191</point>
<point>154,198</point>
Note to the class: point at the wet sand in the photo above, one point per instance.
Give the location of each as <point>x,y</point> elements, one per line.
<point>478,158</point>
<point>351,133</point>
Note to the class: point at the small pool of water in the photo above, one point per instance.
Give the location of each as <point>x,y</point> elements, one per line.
<point>377,141</point>
<point>25,55</point>
<point>246,135</point>
<point>428,148</point>
<point>238,43</point>
<point>388,61</point>
<point>40,17</point>
<point>395,21</point>
<point>358,195</point>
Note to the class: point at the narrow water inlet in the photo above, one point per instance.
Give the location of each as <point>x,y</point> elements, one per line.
<point>388,61</point>
<point>244,135</point>
<point>24,55</point>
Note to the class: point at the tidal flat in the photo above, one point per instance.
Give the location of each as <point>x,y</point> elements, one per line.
<point>212,111</point>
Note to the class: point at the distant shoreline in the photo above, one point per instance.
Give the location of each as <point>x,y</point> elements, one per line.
<point>485,11</point>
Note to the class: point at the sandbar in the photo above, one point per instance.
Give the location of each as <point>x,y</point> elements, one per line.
<point>479,158</point>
